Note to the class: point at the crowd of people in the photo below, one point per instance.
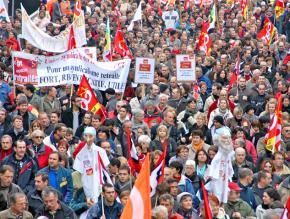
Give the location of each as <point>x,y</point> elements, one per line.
<point>50,145</point>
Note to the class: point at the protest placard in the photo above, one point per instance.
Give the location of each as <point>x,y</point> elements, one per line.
<point>144,71</point>
<point>185,68</point>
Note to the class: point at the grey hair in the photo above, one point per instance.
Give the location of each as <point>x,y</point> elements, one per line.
<point>47,191</point>
<point>168,197</point>
<point>144,138</point>
<point>7,136</point>
<point>138,112</point>
<point>158,209</point>
<point>15,196</point>
<point>163,95</point>
<point>36,132</point>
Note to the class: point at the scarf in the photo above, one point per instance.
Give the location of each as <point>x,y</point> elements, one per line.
<point>198,147</point>
<point>201,171</point>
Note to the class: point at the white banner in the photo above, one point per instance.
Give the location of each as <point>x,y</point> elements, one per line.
<point>68,68</point>
<point>43,41</point>
<point>185,68</point>
<point>144,71</point>
<point>3,12</point>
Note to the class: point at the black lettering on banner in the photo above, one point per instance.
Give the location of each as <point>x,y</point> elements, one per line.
<point>48,79</point>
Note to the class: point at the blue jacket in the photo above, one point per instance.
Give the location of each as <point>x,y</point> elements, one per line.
<point>25,171</point>
<point>247,195</point>
<point>64,182</point>
<point>5,89</point>
<point>114,212</point>
<point>207,81</point>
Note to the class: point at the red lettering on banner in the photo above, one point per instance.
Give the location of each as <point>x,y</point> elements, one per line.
<point>25,71</point>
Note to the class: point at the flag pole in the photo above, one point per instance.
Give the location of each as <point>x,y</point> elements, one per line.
<point>102,197</point>
<point>70,95</point>
<point>217,15</point>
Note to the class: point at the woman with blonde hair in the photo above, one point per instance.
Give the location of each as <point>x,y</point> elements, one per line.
<point>270,108</point>
<point>164,142</point>
<point>35,125</point>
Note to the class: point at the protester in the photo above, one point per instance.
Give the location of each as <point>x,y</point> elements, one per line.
<point>18,204</point>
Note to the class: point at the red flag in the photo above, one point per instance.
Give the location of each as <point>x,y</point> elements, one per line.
<point>78,8</point>
<point>279,8</point>
<point>89,100</point>
<point>71,40</point>
<point>286,212</point>
<point>120,45</point>
<point>157,175</point>
<point>207,211</point>
<point>204,42</point>
<point>268,31</point>
<point>139,203</point>
<point>133,159</point>
<point>273,137</point>
<point>235,75</point>
<point>287,58</point>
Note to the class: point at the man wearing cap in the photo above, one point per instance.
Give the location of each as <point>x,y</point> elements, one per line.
<point>86,163</point>
<point>111,100</point>
<point>235,207</point>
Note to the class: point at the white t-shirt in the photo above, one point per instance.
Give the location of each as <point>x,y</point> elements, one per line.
<point>86,163</point>
<point>170,18</point>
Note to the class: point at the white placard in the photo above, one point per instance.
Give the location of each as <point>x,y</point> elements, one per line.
<point>144,70</point>
<point>185,68</point>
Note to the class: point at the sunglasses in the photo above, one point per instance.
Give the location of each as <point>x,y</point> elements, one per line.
<point>38,137</point>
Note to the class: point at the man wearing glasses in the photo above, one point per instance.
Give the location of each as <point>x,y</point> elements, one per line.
<point>40,150</point>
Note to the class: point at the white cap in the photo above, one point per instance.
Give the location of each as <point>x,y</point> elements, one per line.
<point>90,131</point>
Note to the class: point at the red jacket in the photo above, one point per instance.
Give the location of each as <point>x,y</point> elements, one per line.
<point>42,155</point>
<point>175,216</point>
<point>4,154</point>
<point>152,119</point>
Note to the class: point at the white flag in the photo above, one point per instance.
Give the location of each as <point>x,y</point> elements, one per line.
<point>40,39</point>
<point>137,17</point>
<point>3,12</point>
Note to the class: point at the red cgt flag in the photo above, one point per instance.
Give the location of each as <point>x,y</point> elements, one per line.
<point>89,100</point>
<point>204,42</point>
<point>120,45</point>
<point>71,39</point>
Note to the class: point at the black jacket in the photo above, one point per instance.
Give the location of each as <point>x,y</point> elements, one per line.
<point>15,137</point>
<point>67,117</point>
<point>66,211</point>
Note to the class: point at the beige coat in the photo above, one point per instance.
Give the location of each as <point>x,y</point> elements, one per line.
<point>7,214</point>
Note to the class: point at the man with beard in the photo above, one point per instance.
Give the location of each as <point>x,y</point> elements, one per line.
<point>215,92</point>
<point>221,169</point>
<point>241,92</point>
